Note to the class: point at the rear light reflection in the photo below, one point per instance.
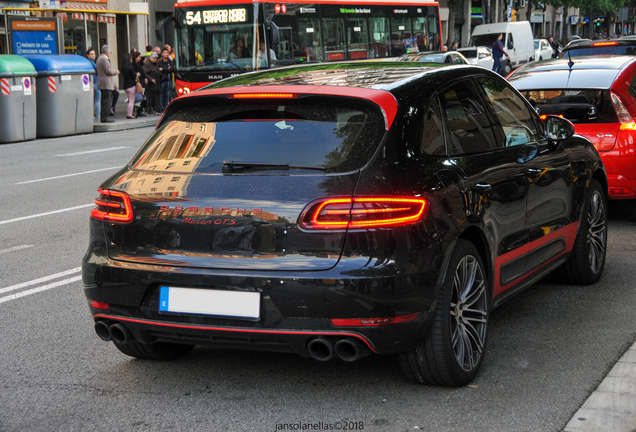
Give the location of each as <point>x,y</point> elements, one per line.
<point>113,206</point>
<point>545,116</point>
<point>361,213</point>
<point>620,190</point>
<point>98,305</point>
<point>356,322</point>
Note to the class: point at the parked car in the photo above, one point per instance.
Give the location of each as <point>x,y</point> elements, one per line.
<point>586,47</point>
<point>452,57</point>
<point>596,95</point>
<point>339,210</point>
<point>517,41</point>
<point>542,49</point>
<point>479,56</point>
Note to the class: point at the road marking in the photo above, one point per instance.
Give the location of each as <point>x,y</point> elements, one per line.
<point>45,214</point>
<point>40,280</point>
<point>68,175</point>
<point>40,289</point>
<point>15,248</point>
<point>92,151</point>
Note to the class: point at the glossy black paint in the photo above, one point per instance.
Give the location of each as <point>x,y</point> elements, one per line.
<point>501,200</point>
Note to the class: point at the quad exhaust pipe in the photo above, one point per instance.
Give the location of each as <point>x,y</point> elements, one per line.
<point>115,332</point>
<point>347,349</point>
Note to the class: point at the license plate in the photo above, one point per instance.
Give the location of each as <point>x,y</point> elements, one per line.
<point>210,302</point>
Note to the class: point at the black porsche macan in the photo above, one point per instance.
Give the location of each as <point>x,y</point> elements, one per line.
<point>341,210</point>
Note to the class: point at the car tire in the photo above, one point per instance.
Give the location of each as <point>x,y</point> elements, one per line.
<point>155,351</point>
<point>540,58</point>
<point>507,69</point>
<point>585,265</point>
<point>442,357</point>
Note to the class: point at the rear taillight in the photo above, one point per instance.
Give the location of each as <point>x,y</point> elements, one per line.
<point>361,213</point>
<point>113,206</point>
<point>98,305</point>
<point>621,111</point>
<point>604,43</point>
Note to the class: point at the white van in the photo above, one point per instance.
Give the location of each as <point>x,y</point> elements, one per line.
<point>517,41</point>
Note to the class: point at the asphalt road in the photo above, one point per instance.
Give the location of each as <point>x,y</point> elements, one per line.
<point>549,347</point>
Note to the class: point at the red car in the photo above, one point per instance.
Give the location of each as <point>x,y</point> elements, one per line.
<point>598,95</point>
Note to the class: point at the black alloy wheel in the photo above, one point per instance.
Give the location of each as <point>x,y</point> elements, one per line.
<point>586,263</point>
<point>453,348</point>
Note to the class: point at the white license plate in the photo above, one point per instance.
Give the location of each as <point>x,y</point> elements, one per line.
<point>210,302</point>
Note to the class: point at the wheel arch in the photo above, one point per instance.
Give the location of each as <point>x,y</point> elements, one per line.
<point>600,177</point>
<point>476,236</point>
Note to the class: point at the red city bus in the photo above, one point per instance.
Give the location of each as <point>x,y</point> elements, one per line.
<point>216,39</point>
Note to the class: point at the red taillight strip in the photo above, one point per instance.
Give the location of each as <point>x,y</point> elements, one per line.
<point>125,205</point>
<point>358,322</point>
<point>545,116</point>
<point>263,95</point>
<point>237,330</point>
<point>604,43</point>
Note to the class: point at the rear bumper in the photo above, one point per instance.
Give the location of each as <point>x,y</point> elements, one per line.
<point>621,187</point>
<point>295,307</point>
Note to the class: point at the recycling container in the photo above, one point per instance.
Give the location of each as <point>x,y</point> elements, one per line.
<point>65,96</point>
<point>18,113</point>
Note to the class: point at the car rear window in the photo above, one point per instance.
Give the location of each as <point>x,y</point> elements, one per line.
<point>469,53</point>
<point>578,106</point>
<point>304,134</point>
<point>600,50</point>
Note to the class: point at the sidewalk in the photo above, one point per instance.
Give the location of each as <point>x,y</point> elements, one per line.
<point>123,123</point>
<point>612,406</point>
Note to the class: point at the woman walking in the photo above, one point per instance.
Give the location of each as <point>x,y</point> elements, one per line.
<point>129,74</point>
<point>91,56</point>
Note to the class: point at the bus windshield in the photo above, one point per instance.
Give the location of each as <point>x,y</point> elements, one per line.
<point>219,40</point>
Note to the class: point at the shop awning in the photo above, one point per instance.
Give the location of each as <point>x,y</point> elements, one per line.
<point>99,17</point>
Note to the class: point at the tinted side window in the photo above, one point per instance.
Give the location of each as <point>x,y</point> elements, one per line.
<point>466,120</point>
<point>518,122</point>
<point>433,133</point>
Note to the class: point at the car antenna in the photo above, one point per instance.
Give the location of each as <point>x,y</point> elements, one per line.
<point>570,62</point>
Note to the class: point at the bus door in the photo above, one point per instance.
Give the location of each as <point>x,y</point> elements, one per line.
<point>285,53</point>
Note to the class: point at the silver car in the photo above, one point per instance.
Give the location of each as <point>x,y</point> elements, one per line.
<point>542,49</point>
<point>479,56</point>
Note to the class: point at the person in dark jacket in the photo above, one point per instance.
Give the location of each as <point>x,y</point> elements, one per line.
<point>497,53</point>
<point>166,67</point>
<point>143,80</point>
<point>153,89</point>
<point>129,74</point>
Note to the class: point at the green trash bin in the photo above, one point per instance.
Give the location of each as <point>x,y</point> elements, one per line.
<point>18,109</point>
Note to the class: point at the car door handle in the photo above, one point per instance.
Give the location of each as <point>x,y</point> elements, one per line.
<point>534,173</point>
<point>481,188</point>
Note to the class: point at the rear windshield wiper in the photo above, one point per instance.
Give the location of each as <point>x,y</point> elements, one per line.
<point>241,166</point>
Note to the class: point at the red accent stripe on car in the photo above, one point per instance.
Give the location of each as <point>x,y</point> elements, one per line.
<point>385,100</point>
<point>235,330</point>
<point>568,233</point>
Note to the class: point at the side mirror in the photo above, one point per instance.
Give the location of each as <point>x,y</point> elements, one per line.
<point>557,128</point>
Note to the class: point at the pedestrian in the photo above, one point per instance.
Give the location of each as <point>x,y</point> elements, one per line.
<point>143,80</point>
<point>170,51</point>
<point>454,46</point>
<point>148,51</point>
<point>166,67</point>
<point>555,47</point>
<point>497,53</point>
<point>97,94</point>
<point>153,89</point>
<point>129,75</point>
<point>105,83</point>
